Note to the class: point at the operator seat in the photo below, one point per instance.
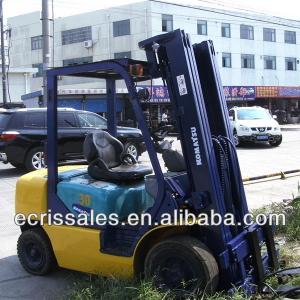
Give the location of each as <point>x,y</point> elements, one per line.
<point>108,161</point>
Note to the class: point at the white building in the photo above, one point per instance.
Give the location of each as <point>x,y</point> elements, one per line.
<point>254,50</point>
<point>18,83</point>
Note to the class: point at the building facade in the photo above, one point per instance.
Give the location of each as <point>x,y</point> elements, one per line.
<point>258,54</point>
<point>18,84</point>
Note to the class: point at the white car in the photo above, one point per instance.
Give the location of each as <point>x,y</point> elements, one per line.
<point>254,124</point>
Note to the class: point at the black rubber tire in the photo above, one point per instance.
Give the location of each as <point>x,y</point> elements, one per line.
<point>28,160</point>
<point>128,145</point>
<point>36,239</point>
<point>237,142</point>
<point>193,263</point>
<point>276,143</point>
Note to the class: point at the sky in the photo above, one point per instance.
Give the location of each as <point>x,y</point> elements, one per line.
<point>285,9</point>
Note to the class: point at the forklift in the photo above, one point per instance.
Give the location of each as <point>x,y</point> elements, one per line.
<point>206,177</point>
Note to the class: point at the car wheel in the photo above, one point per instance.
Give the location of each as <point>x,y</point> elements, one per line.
<point>182,264</point>
<point>35,159</point>
<point>276,143</point>
<point>132,149</point>
<point>35,252</point>
<point>236,139</point>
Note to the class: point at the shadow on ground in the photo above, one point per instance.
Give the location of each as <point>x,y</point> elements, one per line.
<point>16,283</point>
<point>256,146</point>
<point>10,172</point>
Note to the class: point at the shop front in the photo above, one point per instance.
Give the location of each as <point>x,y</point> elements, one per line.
<point>282,101</point>
<point>157,106</point>
<point>239,95</point>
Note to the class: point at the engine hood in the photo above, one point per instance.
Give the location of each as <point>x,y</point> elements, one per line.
<point>259,123</point>
<point>121,130</point>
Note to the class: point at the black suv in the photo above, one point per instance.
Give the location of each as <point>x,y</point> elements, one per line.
<point>23,134</point>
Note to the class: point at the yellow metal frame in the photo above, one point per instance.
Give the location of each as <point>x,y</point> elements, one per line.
<point>78,248</point>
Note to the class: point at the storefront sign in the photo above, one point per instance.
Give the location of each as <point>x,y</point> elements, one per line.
<point>289,92</point>
<point>239,93</point>
<point>159,94</point>
<point>266,91</point>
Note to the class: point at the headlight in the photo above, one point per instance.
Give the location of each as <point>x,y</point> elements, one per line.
<point>244,128</point>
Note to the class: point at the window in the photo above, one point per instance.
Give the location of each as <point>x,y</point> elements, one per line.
<point>269,35</point>
<point>291,63</point>
<point>225,30</point>
<point>247,61</point>
<point>122,54</point>
<point>121,28</point>
<point>253,114</point>
<point>40,70</point>
<point>247,32</point>
<point>270,62</point>
<point>90,120</point>
<point>202,27</point>
<point>4,119</point>
<point>76,35</point>
<point>66,120</point>
<point>37,42</point>
<point>290,37</point>
<point>166,23</point>
<point>77,61</point>
<point>35,120</point>
<point>226,60</point>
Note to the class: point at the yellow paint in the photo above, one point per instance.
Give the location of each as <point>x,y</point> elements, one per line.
<point>31,191</point>
<point>85,200</point>
<point>77,248</point>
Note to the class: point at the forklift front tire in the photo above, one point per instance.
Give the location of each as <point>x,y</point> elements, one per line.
<point>182,264</point>
<point>35,252</point>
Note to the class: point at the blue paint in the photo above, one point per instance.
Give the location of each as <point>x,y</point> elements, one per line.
<point>104,197</point>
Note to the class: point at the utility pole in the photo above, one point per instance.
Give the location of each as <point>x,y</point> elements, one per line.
<point>4,81</point>
<point>46,46</point>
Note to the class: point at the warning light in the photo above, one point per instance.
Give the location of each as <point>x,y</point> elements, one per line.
<point>136,70</point>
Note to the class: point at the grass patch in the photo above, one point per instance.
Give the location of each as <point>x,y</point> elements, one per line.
<point>113,289</point>
<point>101,288</point>
<point>291,210</point>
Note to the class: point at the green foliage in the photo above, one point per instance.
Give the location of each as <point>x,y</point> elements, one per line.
<point>100,288</point>
<point>112,289</point>
<point>291,210</point>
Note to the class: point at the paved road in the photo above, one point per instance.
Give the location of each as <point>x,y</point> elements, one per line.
<point>254,160</point>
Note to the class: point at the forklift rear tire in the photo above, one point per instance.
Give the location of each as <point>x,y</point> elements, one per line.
<point>182,264</point>
<point>35,252</point>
